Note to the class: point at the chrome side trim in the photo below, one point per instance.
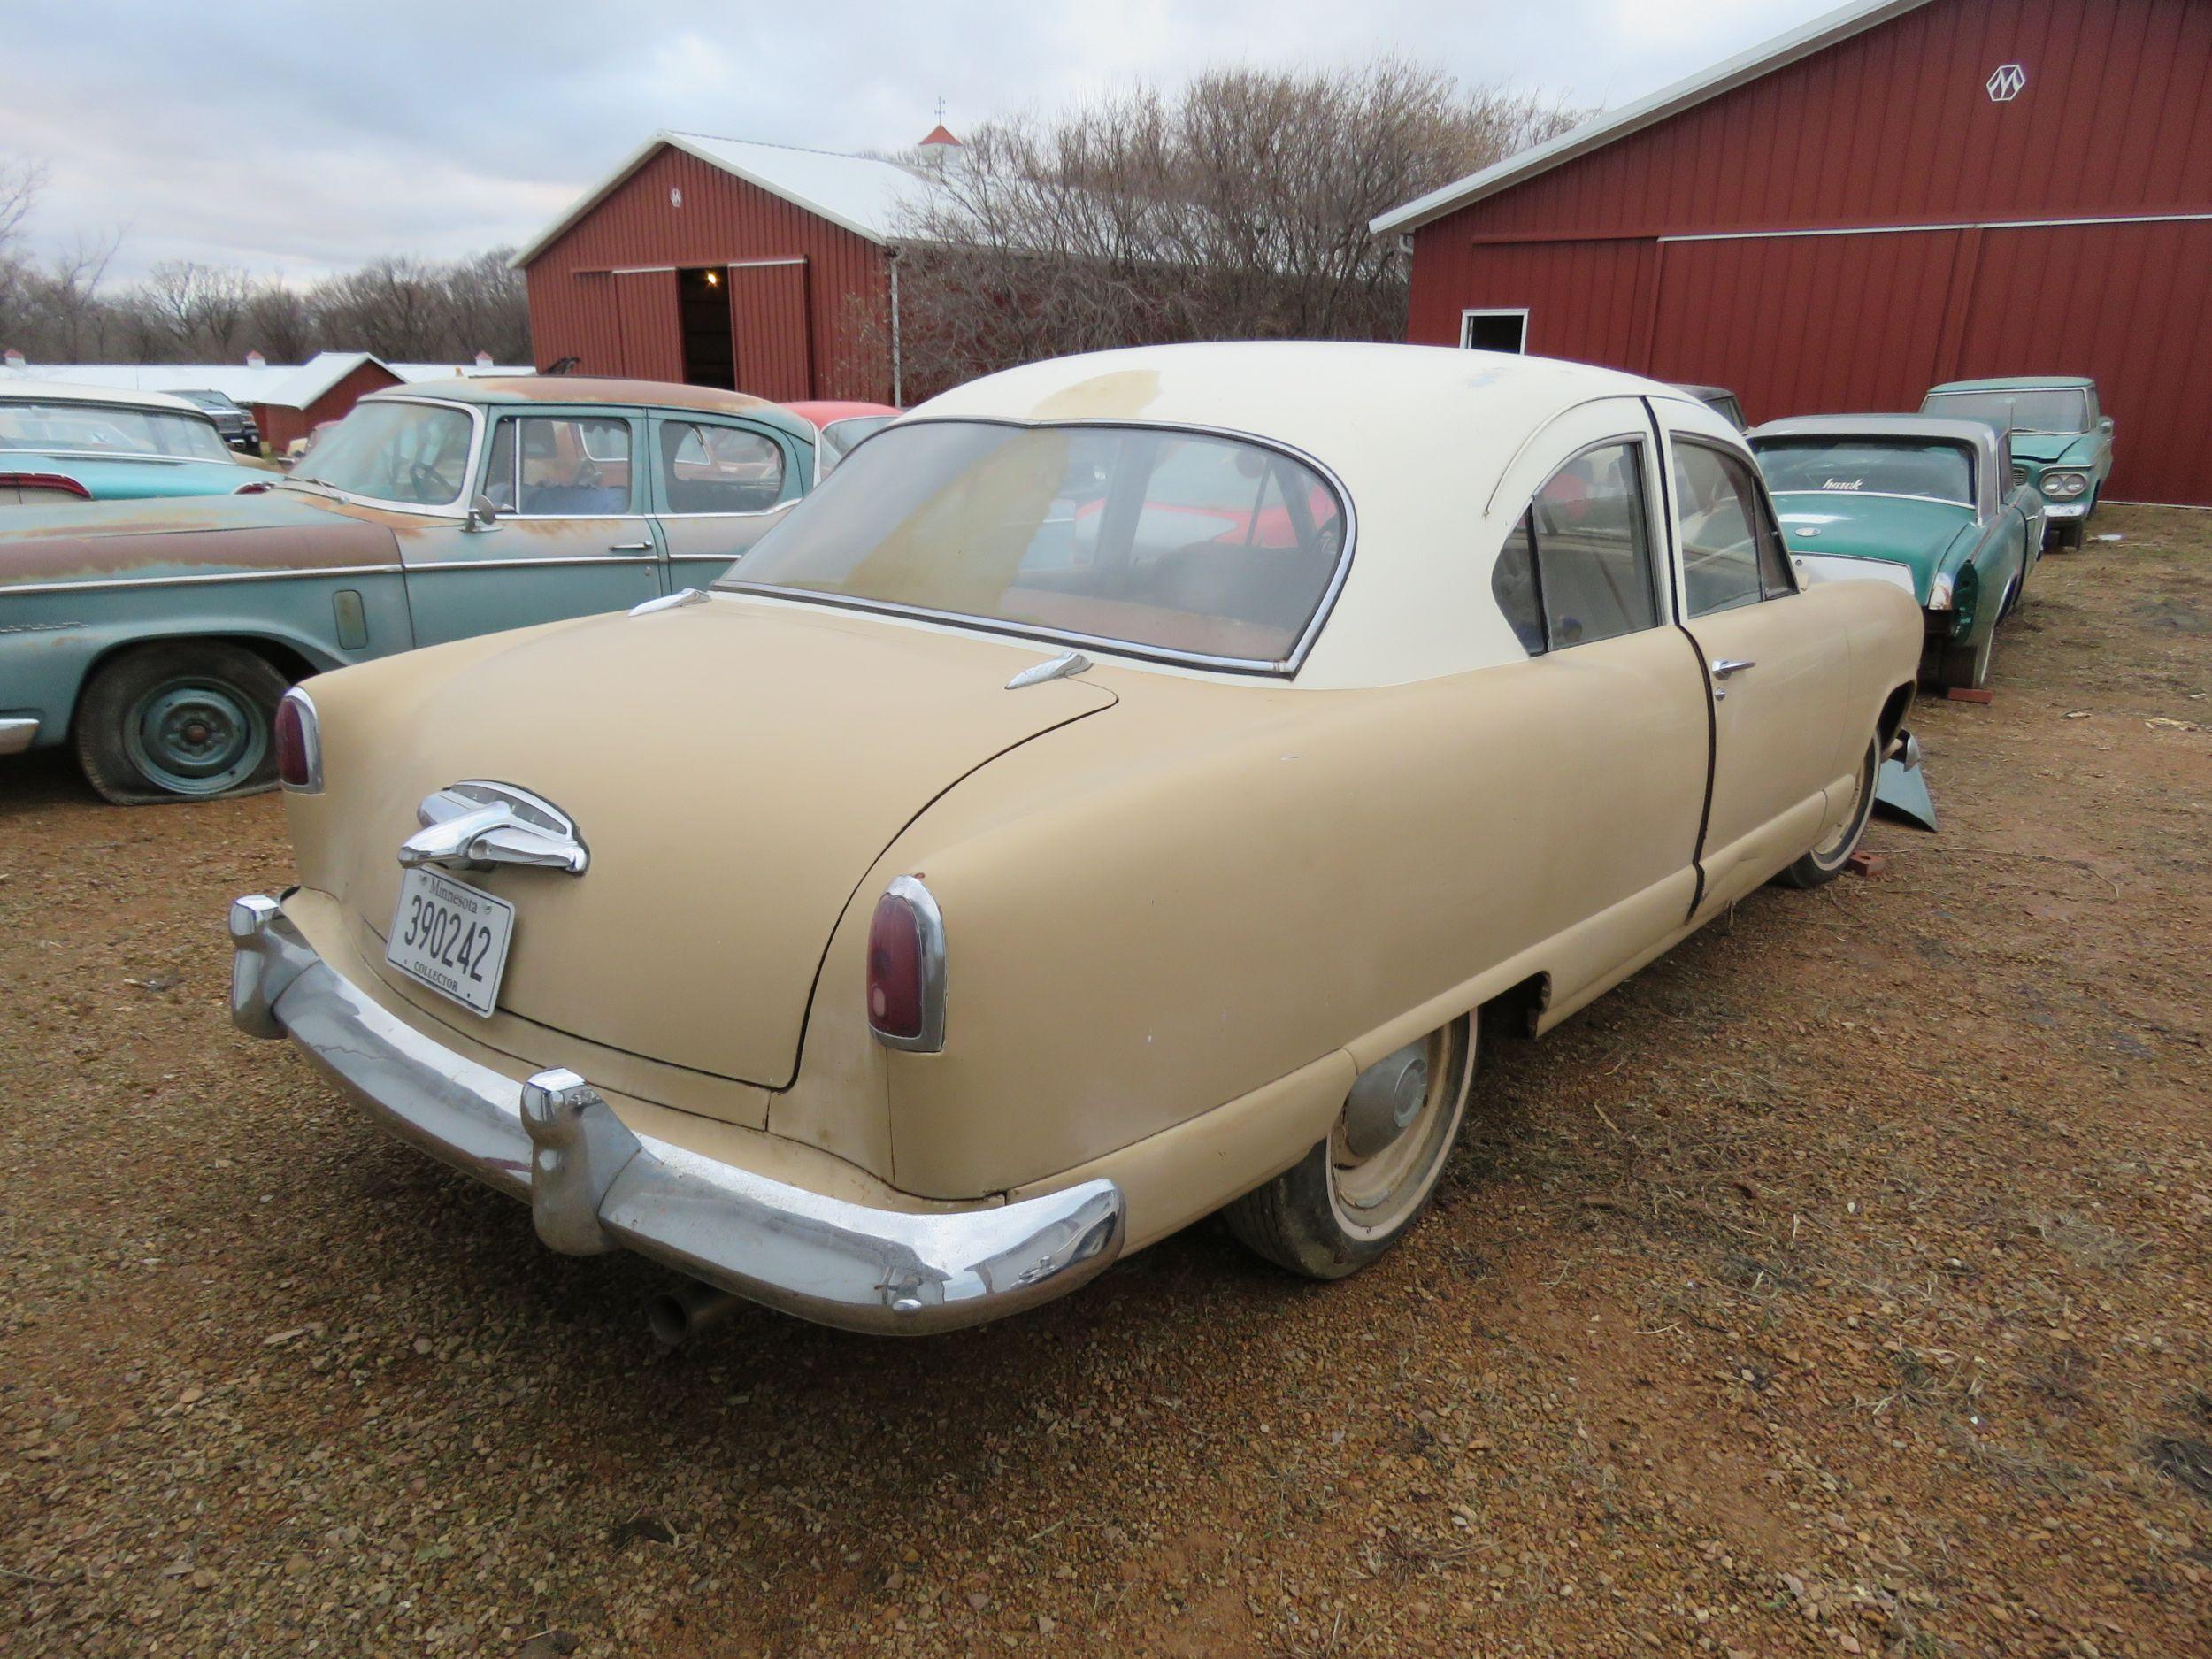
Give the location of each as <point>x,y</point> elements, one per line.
<point>594,1184</point>
<point>17,734</point>
<point>432,567</point>
<point>303,574</point>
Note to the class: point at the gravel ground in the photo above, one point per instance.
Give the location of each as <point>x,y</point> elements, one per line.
<point>1838,1284</point>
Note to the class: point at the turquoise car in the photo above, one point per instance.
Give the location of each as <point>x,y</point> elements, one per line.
<point>1927,504</point>
<point>2062,441</point>
<point>156,637</point>
<point>61,443</point>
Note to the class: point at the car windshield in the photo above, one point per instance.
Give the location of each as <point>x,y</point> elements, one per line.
<point>838,436</point>
<point>113,429</point>
<point>1166,541</point>
<point>414,454</point>
<point>2063,409</point>
<point>1868,467</point>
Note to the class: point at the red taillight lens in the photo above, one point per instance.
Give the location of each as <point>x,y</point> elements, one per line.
<point>299,747</point>
<point>906,969</point>
<point>58,483</point>
<point>257,487</point>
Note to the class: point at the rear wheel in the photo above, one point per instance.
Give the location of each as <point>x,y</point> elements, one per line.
<point>1826,861</point>
<point>1355,1194</point>
<point>180,720</point>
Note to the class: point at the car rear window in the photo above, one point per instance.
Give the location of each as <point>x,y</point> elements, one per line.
<point>1933,471</point>
<point>1177,542</point>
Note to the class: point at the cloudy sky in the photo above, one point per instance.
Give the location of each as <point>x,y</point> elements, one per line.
<point>310,136</point>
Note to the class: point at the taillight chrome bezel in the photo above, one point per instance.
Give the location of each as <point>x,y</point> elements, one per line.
<point>310,741</point>
<point>929,925</point>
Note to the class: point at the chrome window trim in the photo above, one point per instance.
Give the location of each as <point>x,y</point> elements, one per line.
<point>1286,667</point>
<point>930,924</point>
<point>431,567</point>
<point>111,583</point>
<point>736,423</point>
<point>458,508</point>
<point>1663,597</point>
<point>229,457</point>
<point>1874,495</point>
<point>627,415</point>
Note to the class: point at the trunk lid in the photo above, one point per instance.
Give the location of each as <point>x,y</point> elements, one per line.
<point>735,768</point>
<point>1915,535</point>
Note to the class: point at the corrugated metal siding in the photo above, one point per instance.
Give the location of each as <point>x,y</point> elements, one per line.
<point>769,329</point>
<point>574,310</point>
<point>1893,127</point>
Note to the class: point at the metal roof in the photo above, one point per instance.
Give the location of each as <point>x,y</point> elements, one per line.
<point>287,386</point>
<point>1784,49</point>
<point>864,194</point>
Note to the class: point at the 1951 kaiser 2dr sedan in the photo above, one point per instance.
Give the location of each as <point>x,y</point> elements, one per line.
<point>1925,502</point>
<point>1111,798</point>
<point>2061,441</point>
<point>156,637</point>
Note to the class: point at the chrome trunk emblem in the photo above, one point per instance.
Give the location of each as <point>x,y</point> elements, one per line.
<point>475,824</point>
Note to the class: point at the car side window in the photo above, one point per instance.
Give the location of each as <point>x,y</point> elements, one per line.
<point>1578,566</point>
<point>560,466</point>
<point>709,468</point>
<point>1731,549</point>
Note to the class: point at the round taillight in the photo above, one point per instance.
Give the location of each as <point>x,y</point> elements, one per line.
<point>299,744</point>
<point>906,969</point>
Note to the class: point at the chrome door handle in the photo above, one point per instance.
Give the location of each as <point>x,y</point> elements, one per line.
<point>629,547</point>
<point>1724,666</point>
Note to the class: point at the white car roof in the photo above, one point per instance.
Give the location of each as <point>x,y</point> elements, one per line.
<point>1438,449</point>
<point>15,391</point>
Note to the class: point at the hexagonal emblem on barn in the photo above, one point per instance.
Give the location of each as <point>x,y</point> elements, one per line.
<point>2006,82</point>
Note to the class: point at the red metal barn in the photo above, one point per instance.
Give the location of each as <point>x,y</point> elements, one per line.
<point>718,262</point>
<point>1901,193</point>
<point>281,422</point>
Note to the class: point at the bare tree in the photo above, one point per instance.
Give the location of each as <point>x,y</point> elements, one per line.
<point>21,182</point>
<point>1236,206</point>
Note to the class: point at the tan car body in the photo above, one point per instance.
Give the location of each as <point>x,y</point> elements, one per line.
<point>1184,908</point>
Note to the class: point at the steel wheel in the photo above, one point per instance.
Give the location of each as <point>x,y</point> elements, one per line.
<point>1354,1194</point>
<point>193,738</point>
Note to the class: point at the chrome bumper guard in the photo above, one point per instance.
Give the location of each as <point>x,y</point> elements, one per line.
<point>594,1186</point>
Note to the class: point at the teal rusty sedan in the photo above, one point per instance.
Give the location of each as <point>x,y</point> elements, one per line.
<point>61,443</point>
<point>1925,503</point>
<point>2061,439</point>
<point>155,638</point>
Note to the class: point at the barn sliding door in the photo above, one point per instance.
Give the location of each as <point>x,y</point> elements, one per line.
<point>772,327</point>
<point>650,327</point>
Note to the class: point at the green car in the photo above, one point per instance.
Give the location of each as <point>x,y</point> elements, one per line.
<point>2061,441</point>
<point>155,638</point>
<point>61,443</point>
<point>1927,504</point>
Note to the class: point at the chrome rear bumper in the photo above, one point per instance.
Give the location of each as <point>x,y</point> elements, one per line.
<point>592,1185</point>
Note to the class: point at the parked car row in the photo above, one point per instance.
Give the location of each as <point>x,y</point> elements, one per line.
<point>1954,504</point>
<point>63,443</point>
<point>1131,787</point>
<point>157,636</point>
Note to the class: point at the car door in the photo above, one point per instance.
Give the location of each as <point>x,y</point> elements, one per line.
<point>719,485</point>
<point>572,537</point>
<point>1777,667</point>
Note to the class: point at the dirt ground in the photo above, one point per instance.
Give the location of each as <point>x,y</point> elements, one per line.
<point>1842,1283</point>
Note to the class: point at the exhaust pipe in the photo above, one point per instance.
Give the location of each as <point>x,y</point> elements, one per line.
<point>687,1308</point>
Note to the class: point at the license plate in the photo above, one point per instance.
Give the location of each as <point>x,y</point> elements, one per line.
<point>452,938</point>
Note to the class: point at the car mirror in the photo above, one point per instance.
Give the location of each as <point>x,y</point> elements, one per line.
<point>482,514</point>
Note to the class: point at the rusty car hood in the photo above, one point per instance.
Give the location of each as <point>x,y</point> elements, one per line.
<point>735,768</point>
<point>182,536</point>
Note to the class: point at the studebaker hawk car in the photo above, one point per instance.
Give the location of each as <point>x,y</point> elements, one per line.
<point>1111,798</point>
<point>1925,502</point>
<point>2061,441</point>
<point>157,638</point>
<point>61,444</point>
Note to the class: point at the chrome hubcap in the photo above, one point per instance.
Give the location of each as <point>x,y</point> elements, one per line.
<point>1385,1099</point>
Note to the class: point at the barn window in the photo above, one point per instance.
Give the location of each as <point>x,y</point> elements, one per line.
<point>1494,330</point>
